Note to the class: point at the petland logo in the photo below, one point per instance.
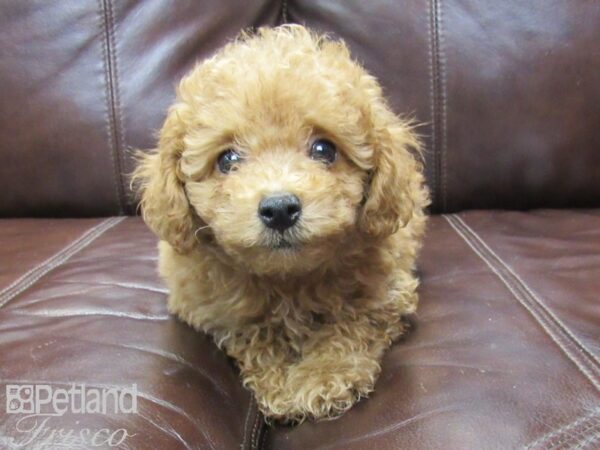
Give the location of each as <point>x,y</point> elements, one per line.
<point>48,400</point>
<point>33,420</point>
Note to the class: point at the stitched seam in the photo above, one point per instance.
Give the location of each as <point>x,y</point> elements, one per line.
<point>443,106</point>
<point>256,431</point>
<point>588,440</point>
<point>263,444</point>
<point>534,296</point>
<point>521,295</point>
<point>244,434</point>
<point>47,261</point>
<point>111,122</point>
<point>31,277</point>
<point>432,94</point>
<point>552,435</point>
<point>435,88</point>
<point>571,439</point>
<point>284,11</point>
<point>541,303</point>
<point>518,294</point>
<point>119,122</point>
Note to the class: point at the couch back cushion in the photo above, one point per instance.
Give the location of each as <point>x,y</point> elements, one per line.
<point>508,92</point>
<point>84,82</point>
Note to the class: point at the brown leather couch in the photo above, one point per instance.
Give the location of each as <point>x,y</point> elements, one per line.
<point>505,348</point>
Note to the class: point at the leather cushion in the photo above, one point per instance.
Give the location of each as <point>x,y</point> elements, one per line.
<point>85,82</point>
<point>507,91</point>
<point>503,354</point>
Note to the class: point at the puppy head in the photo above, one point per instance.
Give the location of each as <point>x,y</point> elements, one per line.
<point>282,150</point>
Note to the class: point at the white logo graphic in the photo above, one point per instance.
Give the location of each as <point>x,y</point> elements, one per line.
<point>50,400</point>
<point>19,399</point>
<point>35,406</point>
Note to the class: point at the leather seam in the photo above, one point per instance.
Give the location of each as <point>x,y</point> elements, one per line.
<point>443,105</point>
<point>109,92</point>
<point>437,106</point>
<point>119,121</point>
<point>535,297</point>
<point>284,11</point>
<point>579,438</point>
<point>245,429</point>
<point>256,431</point>
<point>587,440</point>
<point>263,443</point>
<point>432,97</point>
<point>33,275</point>
<point>586,367</point>
<point>565,432</point>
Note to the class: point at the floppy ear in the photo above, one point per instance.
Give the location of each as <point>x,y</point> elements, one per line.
<point>389,201</point>
<point>165,207</point>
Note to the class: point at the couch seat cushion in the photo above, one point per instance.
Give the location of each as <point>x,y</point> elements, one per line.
<point>504,351</point>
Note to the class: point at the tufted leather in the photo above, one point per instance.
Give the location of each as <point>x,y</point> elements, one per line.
<point>504,351</point>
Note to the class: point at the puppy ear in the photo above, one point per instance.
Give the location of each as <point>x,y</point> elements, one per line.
<point>389,201</point>
<point>165,207</point>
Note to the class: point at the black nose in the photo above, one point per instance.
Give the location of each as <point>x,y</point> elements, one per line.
<point>279,211</point>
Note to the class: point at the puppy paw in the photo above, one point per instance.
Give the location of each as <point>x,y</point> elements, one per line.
<point>317,394</point>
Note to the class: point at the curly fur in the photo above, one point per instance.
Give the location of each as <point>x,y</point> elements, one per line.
<point>307,326</point>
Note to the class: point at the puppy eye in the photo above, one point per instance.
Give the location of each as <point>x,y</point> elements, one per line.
<point>323,150</point>
<point>227,160</point>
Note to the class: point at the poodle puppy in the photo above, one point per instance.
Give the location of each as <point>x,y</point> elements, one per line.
<point>289,202</point>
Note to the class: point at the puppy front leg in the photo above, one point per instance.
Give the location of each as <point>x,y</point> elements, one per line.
<point>263,358</point>
<point>339,365</point>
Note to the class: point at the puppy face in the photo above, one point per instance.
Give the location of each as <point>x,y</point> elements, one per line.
<point>279,193</point>
<point>280,148</point>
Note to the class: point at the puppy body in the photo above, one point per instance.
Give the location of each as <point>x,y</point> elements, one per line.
<point>307,322</point>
